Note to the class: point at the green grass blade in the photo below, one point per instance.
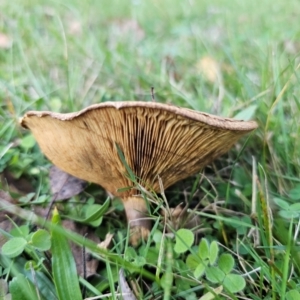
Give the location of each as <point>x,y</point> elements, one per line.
<point>124,162</point>
<point>285,271</point>
<point>168,275</point>
<point>21,288</point>
<point>63,265</point>
<point>95,215</point>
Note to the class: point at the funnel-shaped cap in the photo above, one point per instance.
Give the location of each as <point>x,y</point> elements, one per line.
<point>156,139</point>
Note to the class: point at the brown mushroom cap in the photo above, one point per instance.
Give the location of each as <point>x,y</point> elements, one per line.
<point>156,139</point>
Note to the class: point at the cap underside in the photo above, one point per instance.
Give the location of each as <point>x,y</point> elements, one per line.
<point>156,140</point>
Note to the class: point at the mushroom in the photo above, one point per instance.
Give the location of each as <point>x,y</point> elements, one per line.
<point>156,140</point>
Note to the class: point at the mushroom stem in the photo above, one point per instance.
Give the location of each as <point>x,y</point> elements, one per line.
<point>136,212</point>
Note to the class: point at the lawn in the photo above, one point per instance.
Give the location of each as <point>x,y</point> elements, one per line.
<point>236,236</point>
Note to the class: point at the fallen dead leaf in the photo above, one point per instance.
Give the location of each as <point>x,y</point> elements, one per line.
<point>178,217</point>
<point>74,27</point>
<point>130,27</point>
<point>210,69</point>
<point>169,65</point>
<point>5,222</point>
<point>126,292</point>
<point>106,243</point>
<point>125,29</point>
<point>214,34</point>
<point>89,262</point>
<point>5,41</point>
<point>212,294</point>
<point>4,290</point>
<point>16,185</point>
<point>227,69</point>
<point>291,46</point>
<point>63,185</point>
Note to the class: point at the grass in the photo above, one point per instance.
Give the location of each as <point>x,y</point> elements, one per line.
<point>66,55</point>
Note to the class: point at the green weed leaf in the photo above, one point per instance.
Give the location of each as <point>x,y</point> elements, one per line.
<point>150,254</point>
<point>292,295</point>
<point>200,269</point>
<point>27,198</point>
<point>31,264</point>
<point>20,231</point>
<point>214,274</point>
<point>287,214</point>
<point>281,203</point>
<point>41,240</point>
<point>130,254</point>
<point>183,285</point>
<point>21,288</point>
<point>28,142</point>
<point>234,283</point>
<point>192,261</point>
<point>184,240</point>
<point>93,214</point>
<point>213,252</point>
<point>294,194</point>
<point>14,247</point>
<point>295,207</point>
<point>226,263</point>
<point>139,261</point>
<point>204,248</point>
